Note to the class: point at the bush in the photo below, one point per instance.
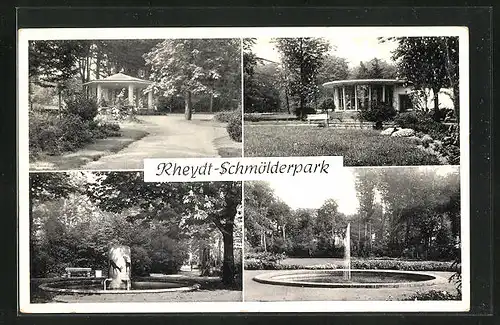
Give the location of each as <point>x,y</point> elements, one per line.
<point>379,113</point>
<point>260,265</point>
<point>265,257</point>
<point>141,262</point>
<point>85,108</point>
<point>54,135</point>
<point>224,116</point>
<point>433,295</point>
<point>327,103</point>
<point>394,264</point>
<point>105,130</point>
<point>421,122</point>
<point>234,126</point>
<point>305,110</point>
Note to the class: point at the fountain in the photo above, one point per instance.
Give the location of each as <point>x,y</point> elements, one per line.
<point>347,254</point>
<point>119,279</point>
<point>119,268</point>
<point>348,277</point>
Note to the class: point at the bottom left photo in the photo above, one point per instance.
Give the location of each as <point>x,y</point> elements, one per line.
<point>111,237</point>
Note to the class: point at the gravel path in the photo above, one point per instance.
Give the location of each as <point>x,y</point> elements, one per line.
<point>168,137</point>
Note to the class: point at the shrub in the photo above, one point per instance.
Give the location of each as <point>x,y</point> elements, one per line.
<point>421,122</point>
<point>305,110</point>
<point>265,257</point>
<point>224,116</point>
<point>75,133</point>
<point>394,264</point>
<point>141,262</point>
<point>379,113</point>
<point>85,108</point>
<point>54,135</point>
<point>234,126</point>
<point>433,295</point>
<point>105,130</point>
<point>327,103</point>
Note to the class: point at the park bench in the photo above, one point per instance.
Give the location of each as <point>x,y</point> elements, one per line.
<point>317,117</point>
<point>79,270</point>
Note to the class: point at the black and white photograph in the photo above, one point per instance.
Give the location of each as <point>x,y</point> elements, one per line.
<point>108,104</point>
<point>383,215</point>
<point>111,237</point>
<point>375,100</point>
<point>379,234</point>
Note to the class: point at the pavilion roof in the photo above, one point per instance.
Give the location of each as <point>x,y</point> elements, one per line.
<point>120,79</point>
<point>349,82</point>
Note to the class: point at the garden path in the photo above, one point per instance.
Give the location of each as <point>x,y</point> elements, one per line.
<point>168,137</point>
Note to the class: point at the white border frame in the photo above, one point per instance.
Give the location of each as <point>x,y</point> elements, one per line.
<point>24,35</point>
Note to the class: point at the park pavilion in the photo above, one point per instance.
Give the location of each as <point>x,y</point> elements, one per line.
<point>360,94</point>
<point>108,89</point>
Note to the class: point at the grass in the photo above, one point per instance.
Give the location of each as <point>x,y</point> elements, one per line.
<point>358,147</point>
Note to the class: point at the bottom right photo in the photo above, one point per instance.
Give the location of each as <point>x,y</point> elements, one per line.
<point>366,234</point>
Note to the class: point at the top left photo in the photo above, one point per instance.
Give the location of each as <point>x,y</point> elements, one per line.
<point>109,104</point>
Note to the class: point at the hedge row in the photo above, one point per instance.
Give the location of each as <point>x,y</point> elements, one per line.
<point>358,264</point>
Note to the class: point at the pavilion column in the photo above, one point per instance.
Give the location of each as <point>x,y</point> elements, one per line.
<point>343,98</point>
<point>150,99</point>
<point>355,97</point>
<point>383,93</point>
<point>131,95</point>
<point>336,98</point>
<point>137,98</point>
<point>99,91</point>
<point>369,96</point>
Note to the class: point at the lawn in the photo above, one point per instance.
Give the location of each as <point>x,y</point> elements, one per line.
<point>358,147</point>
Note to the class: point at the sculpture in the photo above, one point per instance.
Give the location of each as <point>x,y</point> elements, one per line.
<point>119,267</point>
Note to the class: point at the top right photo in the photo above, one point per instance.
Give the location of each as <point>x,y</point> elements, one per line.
<point>376,101</point>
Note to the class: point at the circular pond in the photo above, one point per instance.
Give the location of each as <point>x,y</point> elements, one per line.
<point>359,278</point>
<point>95,286</point>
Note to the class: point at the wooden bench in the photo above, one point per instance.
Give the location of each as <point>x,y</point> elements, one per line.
<point>85,270</point>
<point>317,117</point>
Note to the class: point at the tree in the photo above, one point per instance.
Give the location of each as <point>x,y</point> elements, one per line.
<point>365,191</point>
<point>333,68</point>
<point>362,72</point>
<point>259,196</point>
<point>328,225</point>
<point>192,66</point>
<point>264,92</point>
<point>212,203</point>
<point>302,59</point>
<point>429,62</point>
<point>375,71</point>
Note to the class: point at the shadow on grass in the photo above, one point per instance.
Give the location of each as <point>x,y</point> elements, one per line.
<point>91,152</point>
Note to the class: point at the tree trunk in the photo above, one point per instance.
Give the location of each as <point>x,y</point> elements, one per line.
<point>359,238</point>
<point>98,65</point>
<point>228,264</point>
<point>211,102</point>
<point>264,241</point>
<point>59,101</point>
<point>188,111</point>
<point>287,99</point>
<point>283,229</point>
<point>436,104</point>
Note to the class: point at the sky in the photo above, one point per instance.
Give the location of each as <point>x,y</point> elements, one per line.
<point>353,48</point>
<point>311,192</point>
